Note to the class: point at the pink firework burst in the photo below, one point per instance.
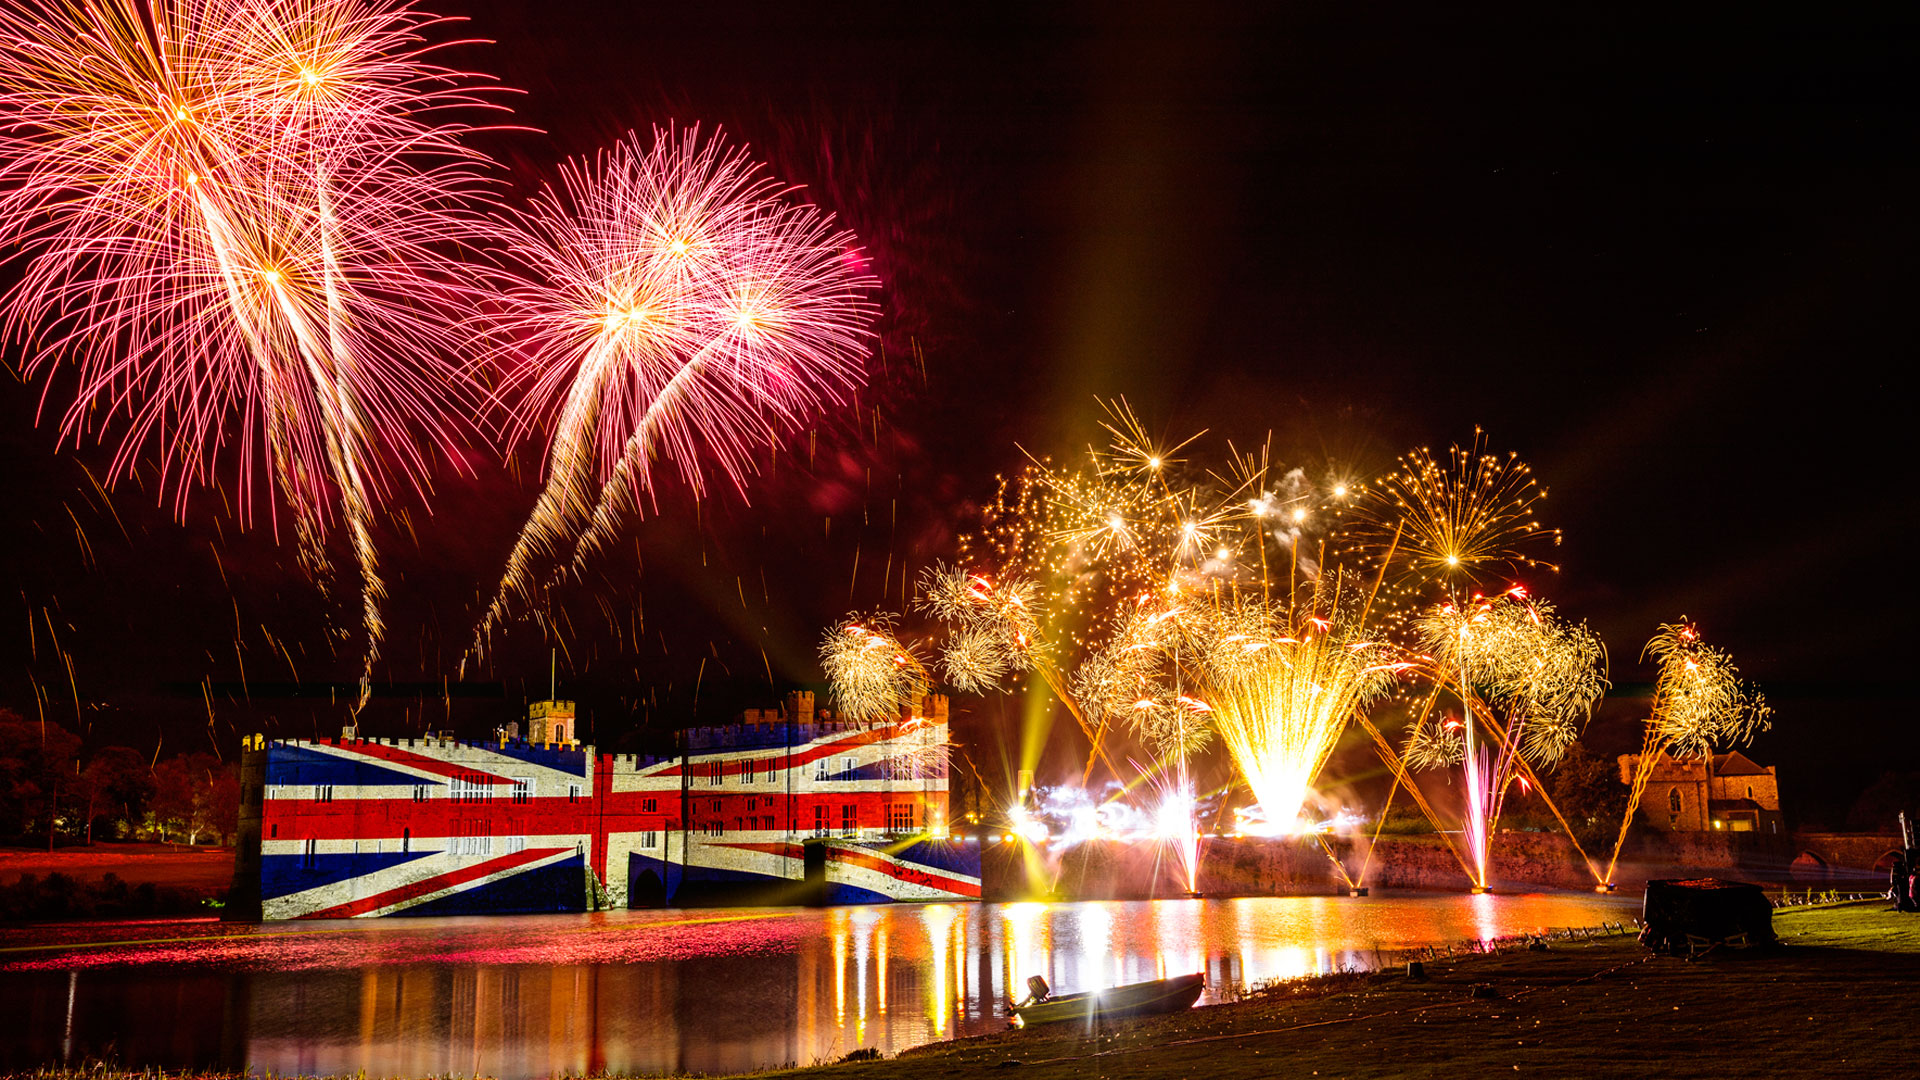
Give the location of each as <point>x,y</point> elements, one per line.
<point>236,215</point>
<point>677,305</point>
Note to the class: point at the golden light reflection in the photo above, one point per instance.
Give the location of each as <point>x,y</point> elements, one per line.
<point>939,920</point>
<point>545,998</point>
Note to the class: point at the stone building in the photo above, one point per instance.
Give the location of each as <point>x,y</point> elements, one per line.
<point>1729,792</point>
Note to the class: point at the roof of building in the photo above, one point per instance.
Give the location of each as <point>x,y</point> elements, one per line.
<point>1735,763</point>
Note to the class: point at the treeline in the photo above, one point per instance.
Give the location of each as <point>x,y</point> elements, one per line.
<point>54,791</point>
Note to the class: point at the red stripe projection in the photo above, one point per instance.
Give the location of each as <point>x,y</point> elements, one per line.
<point>414,890</point>
<point>911,873</point>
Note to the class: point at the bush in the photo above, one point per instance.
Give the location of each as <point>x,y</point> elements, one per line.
<point>58,896</point>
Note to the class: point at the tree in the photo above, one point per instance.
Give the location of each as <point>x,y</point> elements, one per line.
<point>1878,807</point>
<point>38,775</point>
<point>119,783</point>
<point>195,795</point>
<point>1588,791</point>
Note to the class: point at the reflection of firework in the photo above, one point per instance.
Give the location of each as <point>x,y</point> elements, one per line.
<point>873,676</point>
<point>236,208</point>
<point>677,306</point>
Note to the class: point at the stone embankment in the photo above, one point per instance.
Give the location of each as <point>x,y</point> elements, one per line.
<point>1260,866</point>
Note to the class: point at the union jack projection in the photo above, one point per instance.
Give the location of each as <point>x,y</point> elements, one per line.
<point>784,807</point>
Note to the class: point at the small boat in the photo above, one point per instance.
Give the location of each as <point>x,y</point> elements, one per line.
<point>1113,1003</point>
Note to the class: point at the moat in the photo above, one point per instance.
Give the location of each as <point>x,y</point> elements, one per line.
<point>665,991</point>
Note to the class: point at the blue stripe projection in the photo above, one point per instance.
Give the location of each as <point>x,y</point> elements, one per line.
<point>281,875</point>
<point>559,887</point>
<point>949,855</point>
<point>291,765</point>
<point>567,761</point>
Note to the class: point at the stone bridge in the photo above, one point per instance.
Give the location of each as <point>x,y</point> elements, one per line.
<point>1842,857</point>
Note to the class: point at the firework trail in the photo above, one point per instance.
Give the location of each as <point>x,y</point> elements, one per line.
<point>674,304</point>
<point>1699,702</point>
<point>239,209</point>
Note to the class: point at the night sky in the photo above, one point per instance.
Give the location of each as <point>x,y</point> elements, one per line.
<point>1667,261</point>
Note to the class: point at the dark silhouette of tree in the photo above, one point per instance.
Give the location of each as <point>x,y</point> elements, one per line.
<point>195,795</point>
<point>1587,789</point>
<point>39,775</point>
<point>1878,807</point>
<point>119,785</point>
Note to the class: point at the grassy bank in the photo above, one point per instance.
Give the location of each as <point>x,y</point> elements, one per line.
<point>1839,1000</point>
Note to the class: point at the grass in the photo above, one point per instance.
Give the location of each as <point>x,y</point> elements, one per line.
<point>1838,999</point>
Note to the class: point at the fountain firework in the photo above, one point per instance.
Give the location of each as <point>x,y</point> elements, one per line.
<point>237,209</point>
<point>1535,680</point>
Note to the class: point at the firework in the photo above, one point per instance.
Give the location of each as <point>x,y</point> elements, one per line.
<point>1452,518</point>
<point>1281,697</point>
<point>236,214</point>
<point>1699,703</point>
<point>873,676</point>
<point>676,304</point>
<point>1535,679</point>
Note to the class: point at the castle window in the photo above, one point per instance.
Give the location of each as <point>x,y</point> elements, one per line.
<point>573,792</point>
<point>649,839</point>
<point>849,820</point>
<point>847,765</point>
<point>769,770</point>
<point>746,772</point>
<point>713,774</point>
<point>650,806</point>
<point>311,855</point>
<point>522,788</point>
<point>323,792</point>
<point>820,769</point>
<point>1673,799</point>
<point>1749,791</point>
<point>900,818</point>
<point>819,821</point>
<point>420,792</point>
<point>406,841</point>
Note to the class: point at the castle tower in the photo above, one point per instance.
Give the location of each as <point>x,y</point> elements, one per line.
<point>551,722</point>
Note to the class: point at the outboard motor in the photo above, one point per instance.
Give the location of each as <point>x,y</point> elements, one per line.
<point>1038,990</point>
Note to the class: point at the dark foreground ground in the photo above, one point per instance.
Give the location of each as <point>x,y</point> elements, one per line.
<point>1841,999</point>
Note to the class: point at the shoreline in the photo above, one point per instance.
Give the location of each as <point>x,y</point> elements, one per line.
<point>1847,1004</point>
<point>1836,999</point>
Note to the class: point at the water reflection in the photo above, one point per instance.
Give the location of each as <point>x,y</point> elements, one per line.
<point>651,992</point>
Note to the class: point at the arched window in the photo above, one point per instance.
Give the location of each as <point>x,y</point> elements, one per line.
<point>1673,800</point>
<point>1749,791</point>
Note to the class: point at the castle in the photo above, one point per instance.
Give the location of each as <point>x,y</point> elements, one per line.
<point>786,806</point>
